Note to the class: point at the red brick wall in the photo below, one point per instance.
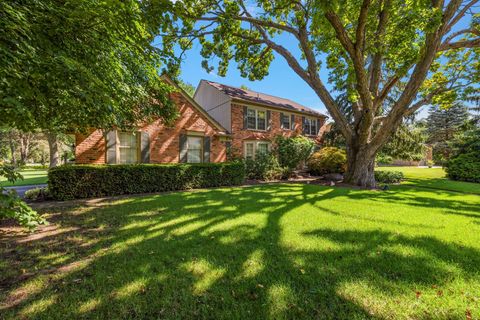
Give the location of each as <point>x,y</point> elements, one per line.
<point>164,141</point>
<point>239,135</point>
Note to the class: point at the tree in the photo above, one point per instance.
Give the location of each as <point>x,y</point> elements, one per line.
<point>187,87</point>
<point>70,65</point>
<point>442,127</point>
<point>372,50</point>
<point>78,64</point>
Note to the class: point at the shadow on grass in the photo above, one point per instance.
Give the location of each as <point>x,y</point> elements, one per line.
<point>224,254</point>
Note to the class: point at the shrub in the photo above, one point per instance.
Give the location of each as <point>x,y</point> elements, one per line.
<point>328,160</point>
<point>464,167</point>
<point>38,194</point>
<point>84,181</point>
<point>388,176</point>
<point>292,151</point>
<point>264,167</point>
<point>12,207</point>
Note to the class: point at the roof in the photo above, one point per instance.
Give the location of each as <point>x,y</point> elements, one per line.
<point>221,129</point>
<point>247,95</point>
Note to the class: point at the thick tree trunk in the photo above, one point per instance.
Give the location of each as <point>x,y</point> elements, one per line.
<point>360,167</point>
<point>53,146</point>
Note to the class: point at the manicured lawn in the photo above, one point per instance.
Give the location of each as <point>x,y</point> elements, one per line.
<point>30,176</point>
<point>270,251</point>
<point>433,178</point>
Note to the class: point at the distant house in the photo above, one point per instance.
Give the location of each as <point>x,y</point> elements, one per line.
<point>253,119</point>
<point>194,137</point>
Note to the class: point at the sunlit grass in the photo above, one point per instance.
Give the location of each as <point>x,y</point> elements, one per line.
<point>434,178</point>
<point>30,177</point>
<point>263,252</point>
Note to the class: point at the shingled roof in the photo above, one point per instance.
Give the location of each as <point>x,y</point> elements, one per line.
<point>263,99</point>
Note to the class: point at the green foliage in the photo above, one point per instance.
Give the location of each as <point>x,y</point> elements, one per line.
<point>383,158</point>
<point>442,127</point>
<point>38,194</point>
<point>407,143</point>
<point>12,207</point>
<point>187,87</point>
<point>388,176</point>
<point>85,181</point>
<point>78,64</point>
<point>265,167</point>
<point>292,151</point>
<point>328,160</point>
<point>464,165</point>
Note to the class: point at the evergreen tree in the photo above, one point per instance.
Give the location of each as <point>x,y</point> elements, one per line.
<point>442,126</point>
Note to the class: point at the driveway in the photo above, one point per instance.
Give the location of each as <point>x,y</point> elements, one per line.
<point>22,189</point>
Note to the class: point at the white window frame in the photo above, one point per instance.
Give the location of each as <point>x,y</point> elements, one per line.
<point>257,110</point>
<point>137,146</point>
<point>202,142</point>
<point>255,147</point>
<point>312,122</point>
<point>289,116</point>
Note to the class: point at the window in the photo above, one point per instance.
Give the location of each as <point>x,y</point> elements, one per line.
<point>194,149</point>
<point>127,147</point>
<point>310,126</point>
<point>255,147</point>
<point>285,121</point>
<point>256,119</point>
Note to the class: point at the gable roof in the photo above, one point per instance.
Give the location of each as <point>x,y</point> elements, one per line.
<point>251,96</point>
<point>195,104</point>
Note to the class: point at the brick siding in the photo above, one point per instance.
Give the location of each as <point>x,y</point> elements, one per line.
<point>164,141</point>
<point>239,135</point>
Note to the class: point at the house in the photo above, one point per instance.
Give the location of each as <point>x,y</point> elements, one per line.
<point>253,119</point>
<point>194,137</point>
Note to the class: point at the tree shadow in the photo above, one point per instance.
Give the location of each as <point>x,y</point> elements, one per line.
<point>259,252</point>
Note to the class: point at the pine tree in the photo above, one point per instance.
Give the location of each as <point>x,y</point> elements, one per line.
<point>442,125</point>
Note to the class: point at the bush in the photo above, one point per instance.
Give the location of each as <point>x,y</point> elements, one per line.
<point>328,160</point>
<point>388,176</point>
<point>464,167</point>
<point>264,167</point>
<point>292,151</point>
<point>85,181</point>
<point>12,207</point>
<point>38,194</point>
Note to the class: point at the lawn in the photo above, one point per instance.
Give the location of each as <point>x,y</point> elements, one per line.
<point>30,176</point>
<point>433,178</point>
<point>267,251</point>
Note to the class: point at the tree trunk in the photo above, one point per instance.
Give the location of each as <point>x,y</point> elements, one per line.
<point>360,167</point>
<point>13,148</point>
<point>53,146</point>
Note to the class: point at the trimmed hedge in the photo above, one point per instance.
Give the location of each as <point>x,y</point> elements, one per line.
<point>87,181</point>
<point>388,176</point>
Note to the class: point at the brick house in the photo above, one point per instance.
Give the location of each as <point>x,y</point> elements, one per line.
<point>194,137</point>
<point>253,119</point>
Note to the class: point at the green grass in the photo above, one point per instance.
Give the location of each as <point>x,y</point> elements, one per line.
<point>30,177</point>
<point>433,178</point>
<point>263,252</point>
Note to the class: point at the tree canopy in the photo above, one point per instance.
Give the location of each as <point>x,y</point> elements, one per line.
<point>375,51</point>
<point>75,64</point>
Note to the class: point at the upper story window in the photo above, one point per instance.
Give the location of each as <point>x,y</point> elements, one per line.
<point>286,121</point>
<point>256,119</point>
<point>128,145</point>
<point>310,126</point>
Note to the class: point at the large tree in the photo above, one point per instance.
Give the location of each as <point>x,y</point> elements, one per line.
<point>372,49</point>
<point>70,65</point>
